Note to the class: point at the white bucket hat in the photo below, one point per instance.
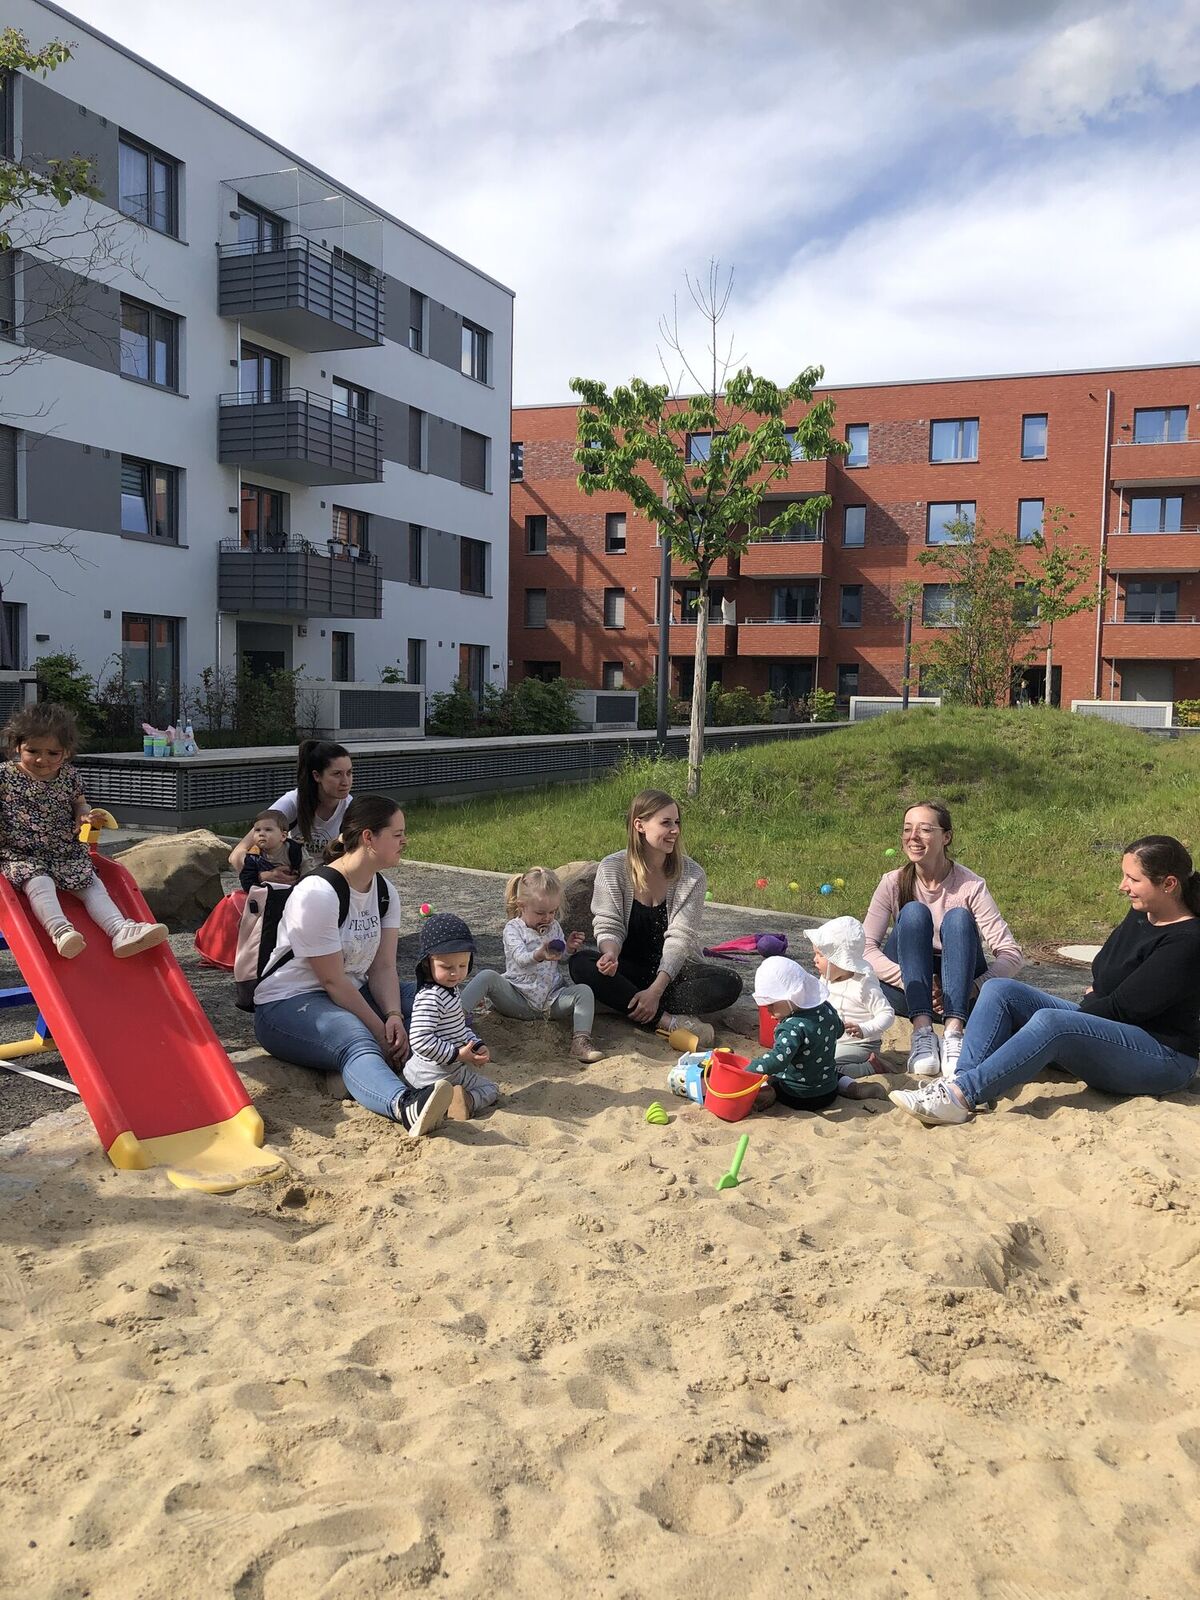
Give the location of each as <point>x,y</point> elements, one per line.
<point>782,979</point>
<point>842,941</point>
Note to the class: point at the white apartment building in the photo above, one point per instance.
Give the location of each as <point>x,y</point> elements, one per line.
<point>246,417</point>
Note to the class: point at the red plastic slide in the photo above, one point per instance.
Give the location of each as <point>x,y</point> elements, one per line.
<point>152,1073</point>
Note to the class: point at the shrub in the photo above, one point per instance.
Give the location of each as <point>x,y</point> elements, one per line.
<point>734,708</point>
<point>1187,713</point>
<point>822,705</point>
<point>454,713</point>
<point>61,677</point>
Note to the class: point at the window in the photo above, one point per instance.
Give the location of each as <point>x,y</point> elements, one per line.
<point>854,525</point>
<point>516,461</point>
<point>698,446</point>
<point>1029,518</point>
<point>535,536</point>
<point>258,229</point>
<point>795,602</point>
<point>13,630</point>
<point>416,661</point>
<point>148,500</point>
<point>1033,436</point>
<point>858,437</point>
<point>149,344</point>
<point>416,320</point>
<point>473,474</point>
<point>957,440</point>
<point>351,400</point>
<point>543,671</point>
<point>148,186</point>
<point>614,608</point>
<point>790,680</point>
<point>8,288</point>
<point>260,374</point>
<point>473,668</point>
<point>6,116</point>
<point>949,520</point>
<point>9,460</point>
<point>535,608</point>
<point>472,566</point>
<point>1164,425</point>
<point>350,529</point>
<point>798,451</point>
<point>1029,597</point>
<point>475,352</point>
<point>1155,513</point>
<point>416,554</point>
<point>847,681</point>
<point>938,605</point>
<point>612,675</point>
<point>342,665</point>
<point>150,660</point>
<point>689,603</point>
<point>851,613</point>
<point>416,439</point>
<point>1151,602</point>
<point>263,525</point>
<point>614,533</point>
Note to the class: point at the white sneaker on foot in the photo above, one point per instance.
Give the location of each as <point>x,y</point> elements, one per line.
<point>933,1103</point>
<point>924,1057</point>
<point>425,1109</point>
<point>703,1030</point>
<point>131,938</point>
<point>69,942</point>
<point>952,1044</point>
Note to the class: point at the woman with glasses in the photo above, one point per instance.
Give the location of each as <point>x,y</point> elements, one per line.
<point>946,938</point>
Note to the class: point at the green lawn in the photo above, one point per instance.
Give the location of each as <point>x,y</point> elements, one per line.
<point>1042,801</point>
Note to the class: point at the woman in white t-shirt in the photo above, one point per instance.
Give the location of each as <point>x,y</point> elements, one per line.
<point>331,998</point>
<point>316,808</point>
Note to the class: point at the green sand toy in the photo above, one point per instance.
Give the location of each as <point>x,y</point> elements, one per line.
<point>657,1115</point>
<point>729,1180</point>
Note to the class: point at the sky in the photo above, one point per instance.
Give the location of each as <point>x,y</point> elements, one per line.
<point>902,188</point>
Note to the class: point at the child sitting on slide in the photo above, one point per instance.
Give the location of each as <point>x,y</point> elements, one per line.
<point>41,809</point>
<point>272,857</point>
<point>535,982</point>
<point>445,1048</point>
<point>852,989</point>
<point>801,1065</point>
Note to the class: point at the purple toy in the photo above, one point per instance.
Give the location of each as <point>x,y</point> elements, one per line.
<point>771,944</point>
<point>748,945</point>
<point>557,945</point>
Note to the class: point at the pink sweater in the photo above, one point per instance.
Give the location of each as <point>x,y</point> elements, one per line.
<point>960,887</point>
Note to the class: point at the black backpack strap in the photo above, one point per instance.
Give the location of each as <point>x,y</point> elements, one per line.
<point>340,886</point>
<point>382,896</point>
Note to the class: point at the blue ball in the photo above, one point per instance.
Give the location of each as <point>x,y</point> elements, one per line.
<point>826,888</point>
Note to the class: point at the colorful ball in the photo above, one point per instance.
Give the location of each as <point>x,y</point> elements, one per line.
<point>826,888</point>
<point>760,883</point>
<point>839,883</point>
<point>708,894</point>
<point>889,854</point>
<point>793,886</point>
<point>427,910</point>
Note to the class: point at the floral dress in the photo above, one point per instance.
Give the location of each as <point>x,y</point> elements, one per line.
<point>38,831</point>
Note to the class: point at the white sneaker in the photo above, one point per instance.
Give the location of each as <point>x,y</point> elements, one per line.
<point>924,1058</point>
<point>131,938</point>
<point>933,1103</point>
<point>952,1044</point>
<point>69,942</point>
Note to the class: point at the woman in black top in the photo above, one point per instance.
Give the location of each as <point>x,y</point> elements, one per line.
<point>1135,1031</point>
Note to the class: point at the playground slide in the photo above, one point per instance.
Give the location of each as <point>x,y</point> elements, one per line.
<point>152,1073</point>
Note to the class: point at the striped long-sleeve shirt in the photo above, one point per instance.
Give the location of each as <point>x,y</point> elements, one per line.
<point>439,1027</point>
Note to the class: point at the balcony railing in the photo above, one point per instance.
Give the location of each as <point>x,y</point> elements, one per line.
<point>1169,618</point>
<point>778,622</point>
<point>301,293</point>
<point>294,577</point>
<point>296,434</point>
<point>1157,463</point>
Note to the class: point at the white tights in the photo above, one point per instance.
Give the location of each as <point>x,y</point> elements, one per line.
<point>44,903</point>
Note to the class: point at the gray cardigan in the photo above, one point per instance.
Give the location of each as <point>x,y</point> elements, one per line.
<point>612,899</point>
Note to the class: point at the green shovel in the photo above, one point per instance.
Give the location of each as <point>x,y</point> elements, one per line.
<point>729,1180</point>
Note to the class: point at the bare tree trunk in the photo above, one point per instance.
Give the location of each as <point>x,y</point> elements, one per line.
<point>699,694</point>
<point>1049,666</point>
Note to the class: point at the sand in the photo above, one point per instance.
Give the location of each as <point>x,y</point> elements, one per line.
<point>541,1354</point>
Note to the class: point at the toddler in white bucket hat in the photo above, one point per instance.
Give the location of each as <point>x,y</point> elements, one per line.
<point>800,1062</point>
<point>853,991</point>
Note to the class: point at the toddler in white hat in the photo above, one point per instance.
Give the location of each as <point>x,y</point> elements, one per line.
<point>800,1063</point>
<point>853,991</point>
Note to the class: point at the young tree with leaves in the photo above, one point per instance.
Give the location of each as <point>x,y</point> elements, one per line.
<point>706,505</point>
<point>987,621</point>
<point>1057,578</point>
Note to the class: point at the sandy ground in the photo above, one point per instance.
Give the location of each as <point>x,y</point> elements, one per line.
<point>540,1353</point>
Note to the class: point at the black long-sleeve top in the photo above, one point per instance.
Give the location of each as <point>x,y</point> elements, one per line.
<point>1148,975</point>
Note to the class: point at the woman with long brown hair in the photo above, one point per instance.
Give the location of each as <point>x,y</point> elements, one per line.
<point>646,909</point>
<point>947,937</point>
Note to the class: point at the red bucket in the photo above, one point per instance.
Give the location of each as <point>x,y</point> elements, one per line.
<point>729,1090</point>
<point>766,1028</point>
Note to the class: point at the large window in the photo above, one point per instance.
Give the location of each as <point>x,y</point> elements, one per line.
<point>1148,601</point>
<point>516,461</point>
<point>9,463</point>
<point>955,440</point>
<point>1033,436</point>
<point>790,680</point>
<point>847,681</point>
<point>852,600</point>
<point>535,535</point>
<point>612,675</point>
<point>260,374</point>
<point>351,400</point>
<point>1162,425</point>
<point>1155,513</point>
<point>149,344</point>
<point>535,608</point>
<point>614,608</point>
<point>858,437</point>
<point>1030,516</point>
<point>689,602</point>
<point>263,513</point>
<point>472,565</point>
<point>939,603</point>
<point>473,474</point>
<point>148,186</point>
<point>698,446</point>
<point>259,229</point>
<point>614,533</point>
<point>342,656</point>
<point>475,352</point>
<point>149,500</point>
<point>13,634</point>
<point>949,520</point>
<point>350,530</point>
<point>150,659</point>
<point>543,671</point>
<point>854,525</point>
<point>416,661</point>
<point>795,602</point>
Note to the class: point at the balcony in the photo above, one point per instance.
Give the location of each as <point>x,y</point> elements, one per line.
<point>685,570</point>
<point>300,436</point>
<point>1151,640</point>
<point>722,639</point>
<point>1155,552</point>
<point>803,477</point>
<point>301,294</point>
<point>1155,465</point>
<point>801,554</point>
<point>782,641</point>
<point>297,579</point>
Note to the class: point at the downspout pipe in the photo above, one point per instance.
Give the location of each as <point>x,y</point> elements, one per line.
<point>1105,491</point>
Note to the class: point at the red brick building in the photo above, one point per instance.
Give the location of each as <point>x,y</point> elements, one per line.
<point>1119,449</point>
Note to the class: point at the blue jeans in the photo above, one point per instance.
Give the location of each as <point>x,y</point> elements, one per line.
<point>1015,1031</point>
<point>311,1030</point>
<point>960,961</point>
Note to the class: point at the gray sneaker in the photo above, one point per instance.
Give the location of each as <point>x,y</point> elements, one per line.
<point>924,1057</point>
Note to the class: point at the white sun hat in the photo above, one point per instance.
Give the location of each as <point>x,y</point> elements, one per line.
<point>842,941</point>
<point>782,979</point>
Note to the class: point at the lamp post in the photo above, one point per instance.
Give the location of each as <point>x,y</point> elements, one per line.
<point>664,638</point>
<point>908,614</point>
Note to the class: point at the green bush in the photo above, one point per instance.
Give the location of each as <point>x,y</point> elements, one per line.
<point>61,677</point>
<point>1187,713</point>
<point>822,705</point>
<point>452,714</point>
<point>529,707</point>
<point>734,708</point>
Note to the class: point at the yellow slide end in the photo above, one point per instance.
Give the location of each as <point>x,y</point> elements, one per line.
<point>218,1159</point>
